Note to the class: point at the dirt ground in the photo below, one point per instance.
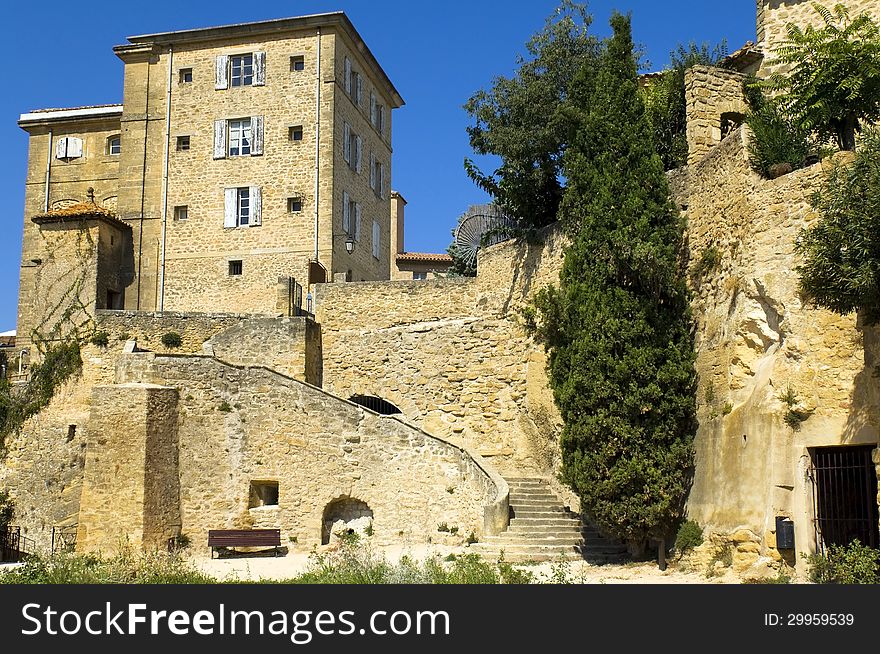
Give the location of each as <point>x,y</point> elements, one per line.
<point>256,567</point>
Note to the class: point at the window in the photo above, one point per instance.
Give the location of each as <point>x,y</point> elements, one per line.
<point>69,147</point>
<point>243,207</point>
<point>181,212</point>
<point>241,69</point>
<point>377,114</point>
<point>297,63</point>
<point>114,145</point>
<point>236,268</point>
<point>351,217</point>
<point>353,82</point>
<point>377,177</point>
<point>263,493</point>
<point>182,143</point>
<point>418,276</point>
<point>295,133</point>
<point>239,137</point>
<point>294,205</point>
<point>376,236</point>
<point>352,148</point>
<point>185,76</point>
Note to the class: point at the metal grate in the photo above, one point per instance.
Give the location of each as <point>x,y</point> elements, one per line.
<point>377,404</point>
<point>844,496</point>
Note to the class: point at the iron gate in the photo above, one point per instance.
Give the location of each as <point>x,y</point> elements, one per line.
<point>844,481</point>
<point>9,544</point>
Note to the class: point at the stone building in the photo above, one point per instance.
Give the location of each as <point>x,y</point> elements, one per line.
<point>245,162</point>
<point>411,265</point>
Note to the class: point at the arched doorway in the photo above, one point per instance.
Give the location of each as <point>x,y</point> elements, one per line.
<point>345,514</point>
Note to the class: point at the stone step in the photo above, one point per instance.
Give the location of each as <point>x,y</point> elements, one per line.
<point>540,513</point>
<point>550,501</point>
<point>573,528</point>
<point>551,537</point>
<point>560,521</point>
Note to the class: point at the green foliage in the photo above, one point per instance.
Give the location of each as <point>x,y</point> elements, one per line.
<point>727,408</point>
<point>832,81</point>
<point>472,538</point>
<point>841,252</point>
<point>101,339</point>
<point>618,328</point>
<point>689,536</point>
<point>443,527</point>
<point>709,262</point>
<point>225,407</point>
<point>521,119</point>
<point>460,266</point>
<point>125,568</point>
<point>851,564</point>
<point>779,143</point>
<point>171,340</point>
<point>61,361</point>
<point>7,510</point>
<point>664,98</point>
<point>794,414</point>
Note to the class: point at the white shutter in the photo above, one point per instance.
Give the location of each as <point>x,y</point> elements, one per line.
<point>219,139</point>
<point>61,148</point>
<point>256,206</point>
<point>357,222</point>
<point>259,69</point>
<point>256,135</point>
<point>382,120</point>
<point>222,76</point>
<point>373,109</point>
<point>74,147</point>
<point>230,216</point>
<point>358,90</point>
<point>359,143</point>
<point>346,214</point>
<point>382,181</point>
<point>373,171</point>
<point>347,75</point>
<point>376,236</point>
<point>346,143</point>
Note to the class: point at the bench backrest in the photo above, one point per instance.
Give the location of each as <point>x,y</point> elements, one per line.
<point>244,537</point>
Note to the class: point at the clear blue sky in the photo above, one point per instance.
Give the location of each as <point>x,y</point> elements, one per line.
<point>436,53</point>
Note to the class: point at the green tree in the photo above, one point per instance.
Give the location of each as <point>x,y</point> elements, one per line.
<point>519,119</point>
<point>841,265</point>
<point>778,138</point>
<point>665,104</point>
<point>832,76</point>
<point>618,328</point>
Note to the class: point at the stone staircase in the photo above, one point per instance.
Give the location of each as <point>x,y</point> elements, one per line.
<point>543,529</point>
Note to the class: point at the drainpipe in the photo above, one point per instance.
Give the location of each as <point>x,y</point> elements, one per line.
<point>165,179</point>
<point>140,257</point>
<point>317,140</point>
<point>48,173</point>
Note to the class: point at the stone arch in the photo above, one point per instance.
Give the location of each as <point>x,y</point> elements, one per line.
<point>63,204</point>
<point>355,515</point>
<point>377,404</point>
<point>109,202</point>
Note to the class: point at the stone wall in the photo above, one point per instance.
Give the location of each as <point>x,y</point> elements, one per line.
<point>714,96</point>
<point>238,425</point>
<point>755,339</point>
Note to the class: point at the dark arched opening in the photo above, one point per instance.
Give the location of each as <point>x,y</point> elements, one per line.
<point>355,515</point>
<point>377,404</point>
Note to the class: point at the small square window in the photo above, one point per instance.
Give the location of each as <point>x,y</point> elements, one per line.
<point>182,143</point>
<point>181,212</point>
<point>186,75</point>
<point>263,493</point>
<point>420,275</point>
<point>295,133</point>
<point>114,145</point>
<point>294,205</point>
<point>235,268</point>
<point>297,63</point>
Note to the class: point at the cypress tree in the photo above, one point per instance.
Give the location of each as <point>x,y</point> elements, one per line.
<point>618,328</point>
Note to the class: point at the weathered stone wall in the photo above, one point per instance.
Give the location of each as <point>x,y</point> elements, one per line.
<point>147,328</point>
<point>774,15</point>
<point>710,93</point>
<point>755,339</point>
<point>453,354</point>
<point>238,425</point>
<point>130,493</point>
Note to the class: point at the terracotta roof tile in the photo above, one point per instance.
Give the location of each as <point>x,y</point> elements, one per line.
<point>83,210</point>
<point>424,256</point>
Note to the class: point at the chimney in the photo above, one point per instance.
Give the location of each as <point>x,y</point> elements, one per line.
<point>397,208</point>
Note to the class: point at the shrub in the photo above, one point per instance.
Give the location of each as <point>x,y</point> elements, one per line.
<point>851,564</point>
<point>224,407</point>
<point>125,568</point>
<point>101,339</point>
<point>689,536</point>
<point>472,538</point>
<point>7,510</point>
<point>172,340</point>
<point>778,144</point>
<point>443,527</point>
<point>709,261</point>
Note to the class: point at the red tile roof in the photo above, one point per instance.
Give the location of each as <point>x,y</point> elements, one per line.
<point>80,211</point>
<point>424,256</point>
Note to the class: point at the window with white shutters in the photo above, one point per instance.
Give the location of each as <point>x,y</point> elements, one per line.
<point>346,213</point>
<point>346,143</point>
<point>358,153</point>
<point>240,137</point>
<point>357,222</point>
<point>376,239</point>
<point>346,75</point>
<point>68,147</point>
<point>243,207</point>
<point>241,70</point>
<point>373,171</point>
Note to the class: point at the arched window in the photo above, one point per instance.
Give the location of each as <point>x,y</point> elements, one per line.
<point>114,144</point>
<point>377,404</point>
<point>345,515</point>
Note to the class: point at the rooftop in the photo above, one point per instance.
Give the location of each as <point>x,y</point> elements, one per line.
<point>80,211</point>
<point>91,112</point>
<point>424,256</point>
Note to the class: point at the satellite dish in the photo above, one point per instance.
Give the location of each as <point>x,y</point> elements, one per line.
<point>482,225</point>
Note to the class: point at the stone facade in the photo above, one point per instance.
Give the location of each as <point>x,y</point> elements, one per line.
<point>715,106</point>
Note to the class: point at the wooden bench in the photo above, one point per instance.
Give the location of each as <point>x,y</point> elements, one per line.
<point>231,538</point>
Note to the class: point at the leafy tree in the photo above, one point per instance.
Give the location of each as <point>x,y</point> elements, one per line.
<point>778,138</point>
<point>519,119</point>
<point>841,267</point>
<point>618,328</point>
<point>832,81</point>
<point>665,105</point>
